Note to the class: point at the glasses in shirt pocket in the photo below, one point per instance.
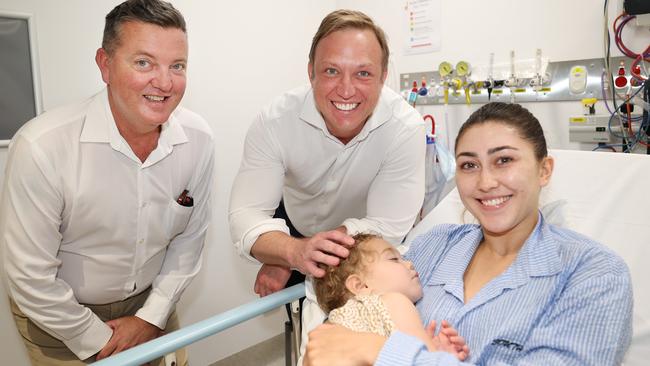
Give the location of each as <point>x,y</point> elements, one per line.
<point>176,219</point>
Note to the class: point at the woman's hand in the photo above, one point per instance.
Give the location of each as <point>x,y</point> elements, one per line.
<point>331,344</point>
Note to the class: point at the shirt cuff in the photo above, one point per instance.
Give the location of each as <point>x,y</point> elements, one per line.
<point>156,310</point>
<point>90,341</point>
<point>250,237</point>
<point>403,349</point>
<point>356,226</point>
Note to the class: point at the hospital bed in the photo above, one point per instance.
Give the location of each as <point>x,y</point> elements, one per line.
<point>603,195</point>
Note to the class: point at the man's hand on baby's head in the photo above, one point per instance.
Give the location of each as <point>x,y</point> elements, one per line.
<point>327,247</point>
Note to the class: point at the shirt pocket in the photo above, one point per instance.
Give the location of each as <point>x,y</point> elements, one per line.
<point>176,219</point>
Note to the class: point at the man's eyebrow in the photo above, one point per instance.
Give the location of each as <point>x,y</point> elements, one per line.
<point>144,53</point>
<point>147,54</point>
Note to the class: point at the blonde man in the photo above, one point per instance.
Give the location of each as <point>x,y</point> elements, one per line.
<point>325,161</point>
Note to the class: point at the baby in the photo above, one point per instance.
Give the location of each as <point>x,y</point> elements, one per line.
<point>374,289</point>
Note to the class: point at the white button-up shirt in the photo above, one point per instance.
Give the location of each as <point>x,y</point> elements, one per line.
<point>375,182</point>
<point>83,220</point>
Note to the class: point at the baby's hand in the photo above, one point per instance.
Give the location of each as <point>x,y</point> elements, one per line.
<point>448,340</point>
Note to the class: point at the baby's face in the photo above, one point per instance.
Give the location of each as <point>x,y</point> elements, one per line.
<point>388,272</point>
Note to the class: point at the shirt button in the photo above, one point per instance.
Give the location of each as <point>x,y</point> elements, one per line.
<point>144,204</point>
<point>140,241</point>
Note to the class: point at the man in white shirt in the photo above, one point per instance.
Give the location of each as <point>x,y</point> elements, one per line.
<point>106,202</point>
<point>343,156</point>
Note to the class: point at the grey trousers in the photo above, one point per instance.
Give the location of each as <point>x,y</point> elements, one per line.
<point>45,350</point>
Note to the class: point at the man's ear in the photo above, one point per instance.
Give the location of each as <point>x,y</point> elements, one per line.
<point>103,59</point>
<point>355,284</point>
<point>384,75</point>
<point>310,71</point>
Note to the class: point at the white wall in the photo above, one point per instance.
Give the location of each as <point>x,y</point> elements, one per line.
<point>242,54</point>
<point>472,29</point>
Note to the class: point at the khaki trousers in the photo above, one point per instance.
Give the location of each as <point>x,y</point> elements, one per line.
<point>45,350</point>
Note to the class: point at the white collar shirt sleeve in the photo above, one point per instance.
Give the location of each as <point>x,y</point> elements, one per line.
<point>374,183</point>
<point>83,221</point>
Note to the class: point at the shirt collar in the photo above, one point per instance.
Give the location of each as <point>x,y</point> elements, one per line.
<point>96,127</point>
<point>538,257</point>
<point>382,114</point>
<point>171,133</point>
<point>451,269</point>
<point>99,126</point>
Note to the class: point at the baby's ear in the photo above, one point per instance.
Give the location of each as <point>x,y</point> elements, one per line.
<point>355,284</point>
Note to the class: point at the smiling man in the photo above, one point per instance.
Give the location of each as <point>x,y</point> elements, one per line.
<point>106,202</point>
<point>326,161</point>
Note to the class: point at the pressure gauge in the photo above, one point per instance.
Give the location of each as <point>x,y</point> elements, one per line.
<point>445,69</point>
<point>462,68</point>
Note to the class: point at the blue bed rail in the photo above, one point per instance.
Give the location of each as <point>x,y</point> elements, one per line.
<point>197,331</point>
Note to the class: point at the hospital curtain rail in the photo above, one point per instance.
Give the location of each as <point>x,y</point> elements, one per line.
<point>195,332</point>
